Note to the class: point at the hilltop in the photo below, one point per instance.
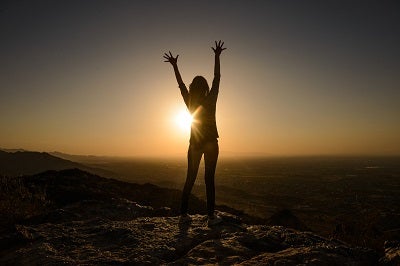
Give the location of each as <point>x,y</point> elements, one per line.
<point>74,217</point>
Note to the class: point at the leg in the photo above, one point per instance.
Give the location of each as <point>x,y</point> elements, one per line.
<point>194,157</point>
<point>211,152</point>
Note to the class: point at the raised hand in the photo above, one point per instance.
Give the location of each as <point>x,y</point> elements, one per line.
<point>218,47</point>
<point>171,59</point>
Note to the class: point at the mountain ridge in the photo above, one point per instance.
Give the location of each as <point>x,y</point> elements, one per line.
<point>20,162</point>
<point>29,162</point>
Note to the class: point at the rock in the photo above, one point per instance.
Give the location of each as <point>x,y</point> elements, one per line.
<point>108,222</point>
<point>162,240</point>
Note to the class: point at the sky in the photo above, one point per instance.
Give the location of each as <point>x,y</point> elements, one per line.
<point>297,78</point>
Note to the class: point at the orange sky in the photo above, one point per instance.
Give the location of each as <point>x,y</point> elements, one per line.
<point>296,79</point>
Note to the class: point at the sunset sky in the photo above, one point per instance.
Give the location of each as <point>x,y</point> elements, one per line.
<point>298,77</point>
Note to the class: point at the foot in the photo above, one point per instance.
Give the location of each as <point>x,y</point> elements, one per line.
<point>185,218</point>
<point>214,220</point>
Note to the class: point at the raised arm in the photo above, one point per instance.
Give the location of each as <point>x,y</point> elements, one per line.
<point>174,62</point>
<point>217,74</point>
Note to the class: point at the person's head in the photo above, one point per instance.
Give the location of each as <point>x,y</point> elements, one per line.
<point>198,89</point>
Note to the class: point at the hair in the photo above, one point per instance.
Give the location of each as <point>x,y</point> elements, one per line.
<point>198,89</point>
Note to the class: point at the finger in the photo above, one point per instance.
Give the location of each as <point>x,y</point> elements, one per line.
<point>166,61</point>
<point>216,45</point>
<point>170,53</point>
<point>165,54</point>
<point>222,44</point>
<point>177,57</point>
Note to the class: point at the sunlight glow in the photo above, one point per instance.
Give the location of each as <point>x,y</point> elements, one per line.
<point>184,120</point>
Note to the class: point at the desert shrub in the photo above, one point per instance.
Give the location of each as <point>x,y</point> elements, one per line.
<point>18,201</point>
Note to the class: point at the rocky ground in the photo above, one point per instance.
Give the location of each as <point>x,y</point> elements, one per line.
<point>89,220</point>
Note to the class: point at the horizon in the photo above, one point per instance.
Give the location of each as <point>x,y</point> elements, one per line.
<point>223,155</point>
<point>297,79</point>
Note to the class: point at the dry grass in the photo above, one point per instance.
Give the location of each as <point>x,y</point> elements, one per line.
<point>19,202</point>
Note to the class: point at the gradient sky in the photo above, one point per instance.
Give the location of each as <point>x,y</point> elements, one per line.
<point>298,77</point>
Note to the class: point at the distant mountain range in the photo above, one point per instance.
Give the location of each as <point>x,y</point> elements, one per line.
<point>84,159</point>
<point>13,150</point>
<point>27,162</point>
<point>17,162</point>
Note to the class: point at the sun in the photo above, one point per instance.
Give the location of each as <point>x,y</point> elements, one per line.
<point>183,120</point>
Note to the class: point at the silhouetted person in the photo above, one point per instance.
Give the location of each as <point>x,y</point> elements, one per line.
<point>201,102</point>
